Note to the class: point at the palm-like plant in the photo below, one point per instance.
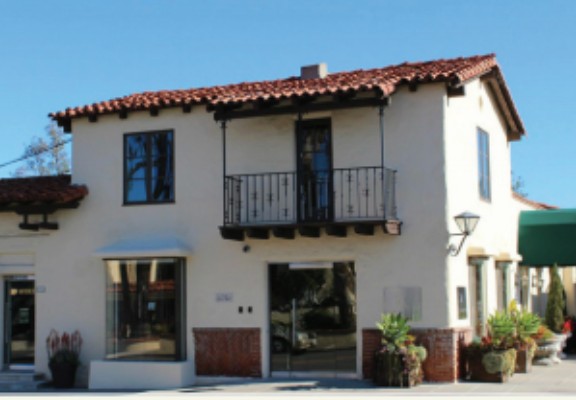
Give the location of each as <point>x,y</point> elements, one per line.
<point>502,329</point>
<point>394,328</point>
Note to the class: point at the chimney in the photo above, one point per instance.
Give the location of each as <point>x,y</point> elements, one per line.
<point>314,71</point>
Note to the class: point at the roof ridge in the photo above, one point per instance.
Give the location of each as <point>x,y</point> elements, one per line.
<point>291,78</point>
<point>385,79</point>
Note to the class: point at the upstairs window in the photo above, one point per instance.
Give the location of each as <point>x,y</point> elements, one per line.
<point>149,167</point>
<point>484,165</point>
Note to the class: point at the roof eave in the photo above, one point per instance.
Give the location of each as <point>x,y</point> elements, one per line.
<point>499,89</point>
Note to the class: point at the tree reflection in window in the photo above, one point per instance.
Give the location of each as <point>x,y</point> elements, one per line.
<point>148,167</point>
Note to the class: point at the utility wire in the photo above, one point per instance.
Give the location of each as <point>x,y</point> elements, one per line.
<point>35,153</point>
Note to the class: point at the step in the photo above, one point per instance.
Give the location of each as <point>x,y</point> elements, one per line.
<point>20,381</point>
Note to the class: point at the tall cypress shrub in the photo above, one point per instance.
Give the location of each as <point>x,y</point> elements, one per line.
<point>555,304</point>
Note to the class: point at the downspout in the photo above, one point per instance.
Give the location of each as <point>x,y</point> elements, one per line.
<point>381,125</point>
<point>297,192</point>
<point>223,128</point>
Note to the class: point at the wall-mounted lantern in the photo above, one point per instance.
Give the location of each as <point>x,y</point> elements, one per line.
<point>537,282</point>
<point>466,222</point>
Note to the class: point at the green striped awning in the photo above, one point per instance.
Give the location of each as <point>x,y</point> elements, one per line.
<point>547,237</point>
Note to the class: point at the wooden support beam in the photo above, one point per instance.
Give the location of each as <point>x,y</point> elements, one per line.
<point>284,232</point>
<point>224,107</point>
<point>25,225</point>
<point>66,125</point>
<point>232,233</point>
<point>93,117</point>
<point>265,104</point>
<point>344,96</point>
<point>48,225</point>
<point>392,227</point>
<point>154,111</point>
<point>258,233</point>
<point>297,108</point>
<point>34,209</point>
<point>364,229</point>
<point>309,231</point>
<point>337,230</point>
<point>303,100</point>
<point>455,91</point>
<point>123,114</point>
<point>29,227</point>
<point>187,108</point>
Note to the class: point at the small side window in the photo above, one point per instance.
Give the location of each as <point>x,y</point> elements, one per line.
<point>484,165</point>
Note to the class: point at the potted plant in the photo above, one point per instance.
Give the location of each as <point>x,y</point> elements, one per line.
<point>546,347</point>
<point>555,312</point>
<point>63,357</point>
<point>398,362</point>
<point>493,358</point>
<point>527,325</point>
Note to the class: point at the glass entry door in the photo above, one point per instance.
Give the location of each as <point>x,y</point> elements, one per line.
<point>313,318</point>
<point>19,327</point>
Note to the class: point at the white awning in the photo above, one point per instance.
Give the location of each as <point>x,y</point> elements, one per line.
<point>149,247</point>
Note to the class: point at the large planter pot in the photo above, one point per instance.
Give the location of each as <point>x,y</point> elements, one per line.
<point>524,361</point>
<point>490,366</point>
<point>63,375</point>
<point>396,370</point>
<point>550,351</point>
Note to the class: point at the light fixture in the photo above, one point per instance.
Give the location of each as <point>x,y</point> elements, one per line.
<point>466,222</point>
<point>537,281</point>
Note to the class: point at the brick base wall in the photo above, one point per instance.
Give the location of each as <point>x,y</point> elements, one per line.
<point>443,346</point>
<point>228,352</point>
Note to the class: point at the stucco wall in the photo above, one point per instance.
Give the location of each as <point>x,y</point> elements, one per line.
<point>495,238</point>
<point>413,125</point>
<point>429,139</point>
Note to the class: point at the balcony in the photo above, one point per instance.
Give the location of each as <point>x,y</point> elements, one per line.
<point>283,203</point>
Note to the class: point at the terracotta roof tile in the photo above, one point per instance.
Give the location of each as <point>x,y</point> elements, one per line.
<point>384,80</point>
<point>535,204</point>
<point>56,190</point>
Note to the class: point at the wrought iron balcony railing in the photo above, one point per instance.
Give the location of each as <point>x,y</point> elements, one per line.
<point>285,198</point>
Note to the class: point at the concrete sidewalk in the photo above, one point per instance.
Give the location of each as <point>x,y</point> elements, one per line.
<point>557,380</point>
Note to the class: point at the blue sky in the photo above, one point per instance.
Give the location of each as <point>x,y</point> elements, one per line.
<point>59,53</point>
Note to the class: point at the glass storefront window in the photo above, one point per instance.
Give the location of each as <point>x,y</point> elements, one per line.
<point>144,309</point>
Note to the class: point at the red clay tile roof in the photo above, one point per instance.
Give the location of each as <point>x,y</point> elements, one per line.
<point>52,190</point>
<point>384,80</point>
<point>534,204</point>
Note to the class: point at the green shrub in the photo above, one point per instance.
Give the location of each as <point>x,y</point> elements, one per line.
<point>555,304</point>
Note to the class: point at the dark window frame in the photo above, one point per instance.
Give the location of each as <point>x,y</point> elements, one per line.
<point>484,173</point>
<point>148,180</point>
<point>180,352</point>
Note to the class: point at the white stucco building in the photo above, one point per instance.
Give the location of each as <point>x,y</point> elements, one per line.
<point>260,229</point>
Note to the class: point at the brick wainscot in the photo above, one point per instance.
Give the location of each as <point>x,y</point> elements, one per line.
<point>228,352</point>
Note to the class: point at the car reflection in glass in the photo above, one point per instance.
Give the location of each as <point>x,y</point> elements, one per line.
<point>282,342</point>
